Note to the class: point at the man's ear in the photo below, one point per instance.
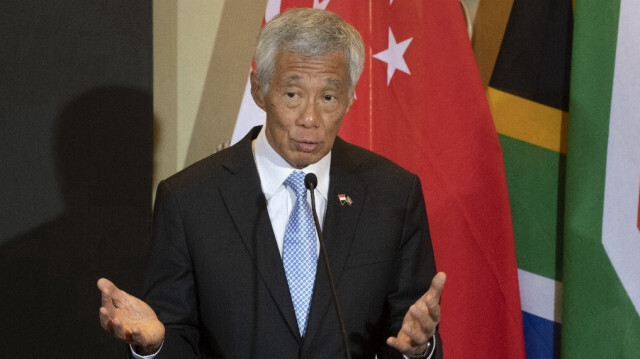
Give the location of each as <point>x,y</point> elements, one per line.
<point>256,90</point>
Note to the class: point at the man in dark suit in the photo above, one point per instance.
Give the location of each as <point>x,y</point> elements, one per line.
<point>220,282</point>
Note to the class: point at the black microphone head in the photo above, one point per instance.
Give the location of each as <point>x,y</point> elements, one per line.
<point>310,181</point>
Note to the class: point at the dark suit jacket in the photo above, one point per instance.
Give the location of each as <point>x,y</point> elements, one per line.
<point>215,276</point>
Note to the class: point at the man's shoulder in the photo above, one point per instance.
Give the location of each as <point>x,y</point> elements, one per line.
<point>214,168</point>
<point>207,167</point>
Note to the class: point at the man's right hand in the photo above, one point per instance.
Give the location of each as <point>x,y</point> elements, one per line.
<point>130,319</point>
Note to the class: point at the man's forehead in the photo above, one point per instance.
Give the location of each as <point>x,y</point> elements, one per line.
<point>293,68</point>
<point>334,59</point>
<point>295,78</point>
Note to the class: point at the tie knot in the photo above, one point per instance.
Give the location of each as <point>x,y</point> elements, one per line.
<point>296,182</point>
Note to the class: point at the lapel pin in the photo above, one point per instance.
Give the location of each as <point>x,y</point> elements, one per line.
<point>345,199</point>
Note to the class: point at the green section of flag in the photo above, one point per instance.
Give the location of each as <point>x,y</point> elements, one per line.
<point>535,178</point>
<point>599,320</point>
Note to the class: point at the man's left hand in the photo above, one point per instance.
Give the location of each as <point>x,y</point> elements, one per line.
<point>421,320</point>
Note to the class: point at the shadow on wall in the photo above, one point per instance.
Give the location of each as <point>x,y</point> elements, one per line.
<point>103,155</point>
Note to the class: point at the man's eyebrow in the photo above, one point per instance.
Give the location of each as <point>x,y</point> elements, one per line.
<point>291,79</point>
<point>294,79</point>
<point>335,82</point>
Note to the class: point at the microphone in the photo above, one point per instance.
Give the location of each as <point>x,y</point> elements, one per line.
<point>311,182</point>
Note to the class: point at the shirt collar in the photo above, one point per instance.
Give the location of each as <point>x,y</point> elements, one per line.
<point>273,169</point>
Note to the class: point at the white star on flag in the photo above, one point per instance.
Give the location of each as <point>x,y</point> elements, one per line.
<point>394,56</point>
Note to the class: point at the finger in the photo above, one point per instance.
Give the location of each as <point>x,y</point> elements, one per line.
<point>404,347</point>
<point>424,322</point>
<point>420,331</point>
<point>433,295</point>
<point>118,328</point>
<point>434,310</point>
<point>107,289</point>
<point>437,285</point>
<point>105,284</point>
<point>413,331</point>
<point>138,338</point>
<point>427,309</point>
<point>105,320</point>
<point>425,312</point>
<point>398,344</point>
<point>131,338</point>
<point>419,313</point>
<point>110,290</point>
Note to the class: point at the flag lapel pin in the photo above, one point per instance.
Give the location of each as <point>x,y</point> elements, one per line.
<point>345,199</point>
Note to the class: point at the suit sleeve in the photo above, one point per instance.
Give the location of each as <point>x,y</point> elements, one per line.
<point>169,280</point>
<point>417,266</point>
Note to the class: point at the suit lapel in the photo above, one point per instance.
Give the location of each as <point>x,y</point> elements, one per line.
<point>245,201</point>
<point>339,229</point>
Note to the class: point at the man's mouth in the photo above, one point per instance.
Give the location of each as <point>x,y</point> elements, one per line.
<point>306,146</point>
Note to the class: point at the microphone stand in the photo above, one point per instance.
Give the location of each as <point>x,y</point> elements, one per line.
<point>345,337</point>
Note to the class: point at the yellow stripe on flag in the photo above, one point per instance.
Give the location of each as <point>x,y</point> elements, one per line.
<point>529,121</point>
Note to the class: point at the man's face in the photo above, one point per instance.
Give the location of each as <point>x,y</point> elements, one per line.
<point>306,101</point>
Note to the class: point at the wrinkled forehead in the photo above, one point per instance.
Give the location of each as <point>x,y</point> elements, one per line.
<point>332,68</point>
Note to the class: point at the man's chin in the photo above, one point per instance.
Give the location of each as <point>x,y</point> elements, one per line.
<point>304,161</point>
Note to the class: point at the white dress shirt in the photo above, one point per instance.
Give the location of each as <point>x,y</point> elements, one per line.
<point>273,171</point>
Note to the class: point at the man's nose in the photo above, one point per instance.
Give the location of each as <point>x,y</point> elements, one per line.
<point>310,115</point>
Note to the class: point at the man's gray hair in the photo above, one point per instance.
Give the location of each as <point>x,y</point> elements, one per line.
<point>310,33</point>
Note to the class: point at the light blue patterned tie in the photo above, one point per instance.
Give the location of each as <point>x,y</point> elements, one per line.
<point>299,253</point>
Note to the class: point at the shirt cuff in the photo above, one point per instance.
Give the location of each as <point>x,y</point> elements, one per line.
<point>150,356</point>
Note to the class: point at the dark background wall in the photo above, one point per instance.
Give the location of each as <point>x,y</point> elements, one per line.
<point>76,134</point>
